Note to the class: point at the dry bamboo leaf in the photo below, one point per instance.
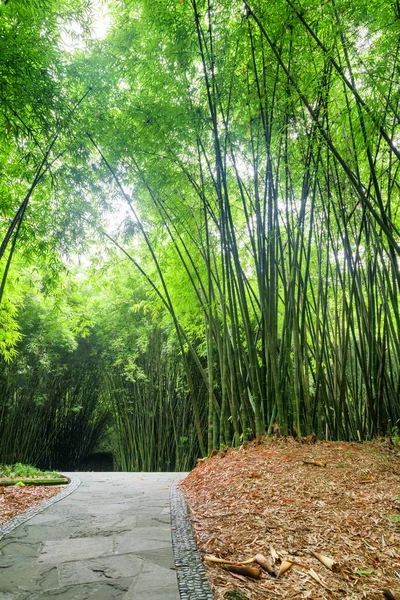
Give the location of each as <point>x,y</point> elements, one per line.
<point>247,562</point>
<point>274,554</point>
<point>317,578</point>
<point>314,575</point>
<point>316,463</point>
<point>253,572</point>
<point>211,541</point>
<point>325,560</point>
<point>265,564</point>
<point>224,561</point>
<point>299,564</point>
<point>214,559</point>
<point>285,566</point>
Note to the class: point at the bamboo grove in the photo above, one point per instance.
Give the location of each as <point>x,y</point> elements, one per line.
<point>287,233</point>
<point>256,146</point>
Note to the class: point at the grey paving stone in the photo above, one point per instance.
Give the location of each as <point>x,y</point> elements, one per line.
<point>75,549</point>
<point>162,532</point>
<point>154,577</point>
<point>165,593</point>
<point>19,549</point>
<point>53,517</point>
<point>93,591</point>
<point>7,596</point>
<point>112,509</point>
<point>28,577</point>
<point>164,557</point>
<point>130,544</point>
<point>79,512</point>
<point>49,579</point>
<point>6,562</point>
<point>143,521</point>
<point>83,532</point>
<point>153,581</point>
<point>27,534</point>
<point>111,567</point>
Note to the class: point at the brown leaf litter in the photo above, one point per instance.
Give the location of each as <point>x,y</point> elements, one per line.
<point>323,533</point>
<point>15,500</point>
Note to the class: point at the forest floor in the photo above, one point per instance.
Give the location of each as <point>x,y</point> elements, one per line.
<point>267,499</point>
<point>15,500</point>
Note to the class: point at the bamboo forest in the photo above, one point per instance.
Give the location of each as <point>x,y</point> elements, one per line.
<point>199,226</point>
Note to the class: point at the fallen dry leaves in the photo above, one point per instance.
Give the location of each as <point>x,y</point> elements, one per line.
<point>15,500</point>
<point>332,532</point>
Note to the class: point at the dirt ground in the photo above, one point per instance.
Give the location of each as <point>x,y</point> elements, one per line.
<point>15,500</point>
<point>267,499</point>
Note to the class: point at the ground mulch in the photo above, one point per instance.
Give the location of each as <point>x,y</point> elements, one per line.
<point>15,500</point>
<point>264,499</point>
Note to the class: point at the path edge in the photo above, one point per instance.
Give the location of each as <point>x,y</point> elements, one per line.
<point>18,520</point>
<point>192,578</point>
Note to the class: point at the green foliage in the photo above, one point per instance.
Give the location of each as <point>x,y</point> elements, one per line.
<point>94,368</point>
<point>395,518</point>
<point>25,471</point>
<point>396,434</point>
<point>9,330</point>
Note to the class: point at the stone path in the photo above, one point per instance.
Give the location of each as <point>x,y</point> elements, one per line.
<point>110,539</point>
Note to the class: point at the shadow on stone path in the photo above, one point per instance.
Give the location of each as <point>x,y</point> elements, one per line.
<point>110,539</point>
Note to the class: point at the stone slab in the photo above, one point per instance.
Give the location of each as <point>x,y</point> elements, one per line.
<point>93,591</point>
<point>110,567</point>
<point>68,550</point>
<point>154,580</point>
<point>25,578</point>
<point>160,533</point>
<point>132,544</point>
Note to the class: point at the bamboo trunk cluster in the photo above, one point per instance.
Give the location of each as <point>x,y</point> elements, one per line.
<point>297,267</point>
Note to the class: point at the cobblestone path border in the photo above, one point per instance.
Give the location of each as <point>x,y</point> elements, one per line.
<point>15,522</point>
<point>192,578</point>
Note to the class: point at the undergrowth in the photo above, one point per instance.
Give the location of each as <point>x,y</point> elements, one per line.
<point>20,470</point>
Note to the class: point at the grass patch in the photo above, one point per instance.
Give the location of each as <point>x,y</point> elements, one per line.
<point>20,471</point>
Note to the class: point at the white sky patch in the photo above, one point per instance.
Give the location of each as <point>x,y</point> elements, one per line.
<point>113,221</point>
<point>73,37</point>
<point>396,141</point>
<point>101,20</point>
<point>244,168</point>
<point>116,216</point>
<point>119,212</point>
<point>365,39</point>
<point>123,85</point>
